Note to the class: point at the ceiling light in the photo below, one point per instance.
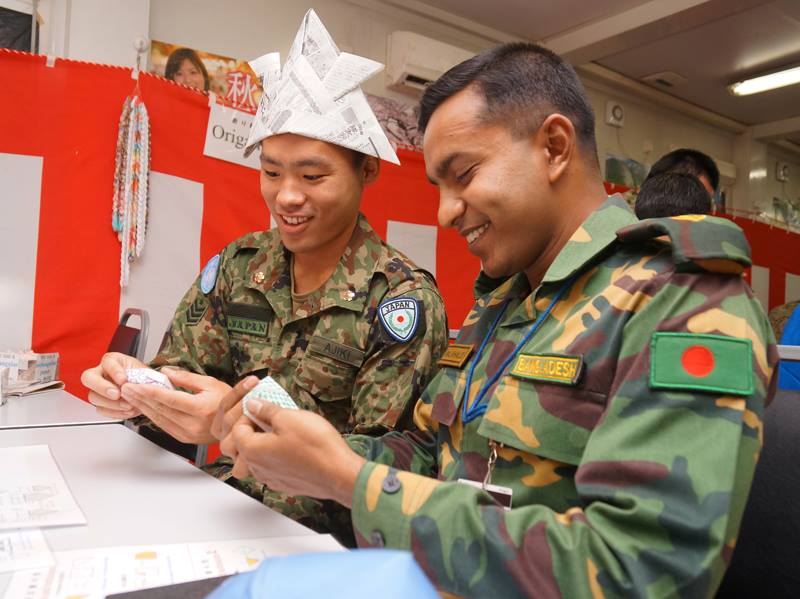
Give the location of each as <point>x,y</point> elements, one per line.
<point>764,83</point>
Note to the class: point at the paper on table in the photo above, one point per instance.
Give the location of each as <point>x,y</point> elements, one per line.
<point>22,549</point>
<point>94,573</point>
<point>25,389</point>
<point>33,492</point>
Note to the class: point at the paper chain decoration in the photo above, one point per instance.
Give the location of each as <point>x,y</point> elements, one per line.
<point>131,173</point>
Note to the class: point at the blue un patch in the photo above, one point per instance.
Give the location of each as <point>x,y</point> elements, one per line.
<point>208,278</point>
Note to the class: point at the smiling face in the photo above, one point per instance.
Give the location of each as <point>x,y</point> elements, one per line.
<point>189,74</point>
<point>494,186</point>
<point>313,191</point>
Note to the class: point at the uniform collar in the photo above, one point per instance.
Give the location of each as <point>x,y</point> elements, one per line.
<point>347,287</point>
<point>595,234</point>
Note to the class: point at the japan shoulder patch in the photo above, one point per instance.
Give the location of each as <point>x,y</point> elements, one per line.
<point>208,278</point>
<point>399,317</point>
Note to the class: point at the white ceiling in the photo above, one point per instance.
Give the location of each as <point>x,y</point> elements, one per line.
<point>711,43</point>
<point>533,19</point>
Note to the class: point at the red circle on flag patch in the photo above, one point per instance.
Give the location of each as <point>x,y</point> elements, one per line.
<point>400,319</point>
<point>698,360</point>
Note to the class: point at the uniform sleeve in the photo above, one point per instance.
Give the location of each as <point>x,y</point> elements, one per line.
<point>197,338</point>
<point>662,481</point>
<point>394,374</point>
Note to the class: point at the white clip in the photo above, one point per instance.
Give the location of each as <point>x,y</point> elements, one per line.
<point>140,44</point>
<point>51,61</point>
<point>212,99</point>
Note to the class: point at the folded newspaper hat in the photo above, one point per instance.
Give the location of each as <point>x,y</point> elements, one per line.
<point>317,95</point>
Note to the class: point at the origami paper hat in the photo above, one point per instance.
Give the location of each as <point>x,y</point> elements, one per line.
<point>317,94</point>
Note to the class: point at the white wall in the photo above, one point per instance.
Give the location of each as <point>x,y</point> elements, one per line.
<point>789,190</point>
<point>651,131</point>
<point>249,28</point>
<point>103,30</point>
<point>93,30</point>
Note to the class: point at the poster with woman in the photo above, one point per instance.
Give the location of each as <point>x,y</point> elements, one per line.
<point>231,79</point>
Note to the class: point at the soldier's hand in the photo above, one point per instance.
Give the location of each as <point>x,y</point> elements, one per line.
<point>104,382</point>
<point>230,409</point>
<point>303,455</point>
<point>185,416</point>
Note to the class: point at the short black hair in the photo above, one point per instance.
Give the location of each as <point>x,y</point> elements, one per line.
<point>522,84</point>
<point>358,158</point>
<point>176,59</point>
<point>691,162</point>
<point>672,194</point>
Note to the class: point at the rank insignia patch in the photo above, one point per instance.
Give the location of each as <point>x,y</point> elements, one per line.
<point>712,363</point>
<point>208,278</point>
<point>399,317</point>
<point>456,355</point>
<point>194,313</point>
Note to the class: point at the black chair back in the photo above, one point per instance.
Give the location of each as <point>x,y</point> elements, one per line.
<point>129,340</point>
<point>766,560</point>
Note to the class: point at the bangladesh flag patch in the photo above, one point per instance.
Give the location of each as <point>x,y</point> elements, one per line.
<point>711,363</point>
<point>399,317</point>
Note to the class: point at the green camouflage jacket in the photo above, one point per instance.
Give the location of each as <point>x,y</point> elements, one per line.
<point>628,426</point>
<point>780,315</point>
<point>330,352</point>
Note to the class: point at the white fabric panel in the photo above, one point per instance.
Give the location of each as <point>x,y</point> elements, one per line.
<point>418,242</point>
<point>20,194</point>
<point>171,258</point>
<point>759,277</point>
<point>792,288</point>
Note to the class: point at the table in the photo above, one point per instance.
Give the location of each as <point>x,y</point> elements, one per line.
<point>789,352</point>
<point>50,408</point>
<point>133,492</point>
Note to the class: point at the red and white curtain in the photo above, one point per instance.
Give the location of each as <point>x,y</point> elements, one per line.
<point>60,259</point>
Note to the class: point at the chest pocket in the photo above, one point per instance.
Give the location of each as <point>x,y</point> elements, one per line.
<point>545,419</point>
<point>328,369</point>
<point>248,330</point>
<point>446,392</point>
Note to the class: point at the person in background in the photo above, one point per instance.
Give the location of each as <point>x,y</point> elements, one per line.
<point>690,162</point>
<point>780,315</point>
<point>184,66</point>
<point>594,430</point>
<point>672,194</point>
<point>347,325</point>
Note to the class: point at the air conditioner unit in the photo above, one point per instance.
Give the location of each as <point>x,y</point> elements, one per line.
<point>414,61</point>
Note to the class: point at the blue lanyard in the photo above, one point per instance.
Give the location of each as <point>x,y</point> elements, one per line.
<point>478,407</point>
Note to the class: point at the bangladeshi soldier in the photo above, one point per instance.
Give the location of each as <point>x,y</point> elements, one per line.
<point>594,430</point>
<point>349,326</point>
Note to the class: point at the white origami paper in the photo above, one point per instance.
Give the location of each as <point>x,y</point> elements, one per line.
<point>317,94</point>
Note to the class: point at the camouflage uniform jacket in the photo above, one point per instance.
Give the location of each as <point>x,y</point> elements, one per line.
<point>330,352</point>
<point>780,315</point>
<point>628,480</point>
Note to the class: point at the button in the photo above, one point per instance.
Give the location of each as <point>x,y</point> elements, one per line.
<point>391,484</point>
<point>376,539</point>
<point>349,295</point>
<point>259,277</point>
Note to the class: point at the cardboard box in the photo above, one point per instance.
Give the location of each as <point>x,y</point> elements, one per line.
<point>27,367</point>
